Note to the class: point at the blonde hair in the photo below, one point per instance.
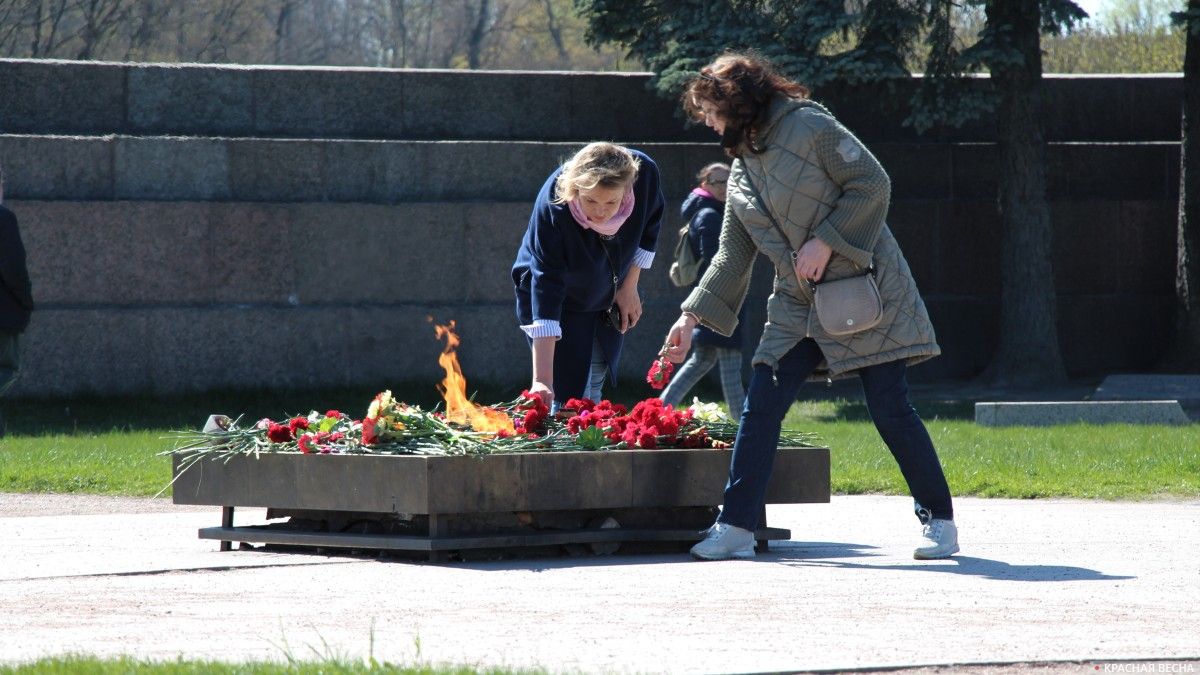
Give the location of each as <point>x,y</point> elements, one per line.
<point>605,164</point>
<point>707,172</point>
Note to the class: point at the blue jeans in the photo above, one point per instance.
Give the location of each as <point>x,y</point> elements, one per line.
<point>699,362</point>
<point>597,373</point>
<point>10,360</point>
<point>771,395</point>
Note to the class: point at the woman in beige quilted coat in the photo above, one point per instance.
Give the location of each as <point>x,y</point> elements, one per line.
<point>829,198</point>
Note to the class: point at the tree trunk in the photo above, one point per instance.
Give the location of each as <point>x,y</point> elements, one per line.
<point>1183,355</point>
<point>479,31</point>
<point>1027,352</point>
<point>555,29</point>
<point>282,29</point>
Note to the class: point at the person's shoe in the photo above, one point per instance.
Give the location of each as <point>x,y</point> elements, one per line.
<point>725,542</point>
<point>941,540</point>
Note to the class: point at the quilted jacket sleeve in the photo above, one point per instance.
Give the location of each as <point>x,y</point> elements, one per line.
<point>857,218</point>
<point>722,290</point>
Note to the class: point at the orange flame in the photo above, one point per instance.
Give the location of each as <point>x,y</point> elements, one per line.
<point>460,409</point>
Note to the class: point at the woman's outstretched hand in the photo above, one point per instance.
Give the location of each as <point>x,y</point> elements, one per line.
<point>679,338</point>
<point>542,391</point>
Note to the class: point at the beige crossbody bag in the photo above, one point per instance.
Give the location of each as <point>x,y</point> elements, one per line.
<point>843,307</point>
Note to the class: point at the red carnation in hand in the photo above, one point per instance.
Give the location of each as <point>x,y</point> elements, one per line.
<point>660,372</point>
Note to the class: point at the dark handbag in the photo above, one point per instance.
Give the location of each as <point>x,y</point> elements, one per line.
<point>843,307</point>
<point>612,315</point>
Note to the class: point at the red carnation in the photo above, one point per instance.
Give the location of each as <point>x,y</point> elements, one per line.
<point>648,439</point>
<point>278,433</point>
<point>298,423</point>
<point>333,413</point>
<point>579,404</point>
<point>533,419</point>
<point>660,372</point>
<point>305,444</point>
<point>369,435</point>
<point>630,435</point>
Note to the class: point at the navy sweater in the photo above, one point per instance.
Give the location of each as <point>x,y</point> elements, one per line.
<point>16,300</point>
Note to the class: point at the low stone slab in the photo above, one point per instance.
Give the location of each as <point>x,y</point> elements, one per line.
<point>1182,388</point>
<point>535,481</point>
<point>1049,413</point>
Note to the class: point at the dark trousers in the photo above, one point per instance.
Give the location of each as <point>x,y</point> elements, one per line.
<point>10,359</point>
<point>768,400</point>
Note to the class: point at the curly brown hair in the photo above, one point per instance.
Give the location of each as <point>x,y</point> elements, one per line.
<point>741,85</point>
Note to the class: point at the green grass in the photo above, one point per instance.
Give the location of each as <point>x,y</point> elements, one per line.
<point>109,445</point>
<point>82,665</point>
<point>1087,461</point>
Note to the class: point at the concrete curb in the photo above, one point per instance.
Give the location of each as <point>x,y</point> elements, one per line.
<point>1050,413</point>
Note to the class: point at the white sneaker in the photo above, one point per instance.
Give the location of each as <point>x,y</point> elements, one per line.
<point>724,542</point>
<point>941,540</point>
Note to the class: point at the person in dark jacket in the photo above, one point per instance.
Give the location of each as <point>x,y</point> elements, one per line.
<point>704,210</point>
<point>594,228</point>
<point>16,300</point>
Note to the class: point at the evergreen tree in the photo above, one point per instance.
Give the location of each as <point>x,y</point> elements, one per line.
<point>871,42</point>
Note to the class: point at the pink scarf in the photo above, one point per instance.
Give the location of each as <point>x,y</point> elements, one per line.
<point>609,228</point>
<point>703,193</point>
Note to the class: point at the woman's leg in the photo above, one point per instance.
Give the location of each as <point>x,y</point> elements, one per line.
<point>596,374</point>
<point>731,379</point>
<point>10,361</point>
<point>769,398</point>
<point>886,390</point>
<point>698,363</point>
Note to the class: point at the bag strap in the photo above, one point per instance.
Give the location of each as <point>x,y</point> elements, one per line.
<point>795,252</point>
<point>611,265</point>
<point>762,204</point>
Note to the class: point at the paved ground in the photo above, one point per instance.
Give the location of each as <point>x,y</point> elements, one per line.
<point>1075,586</point>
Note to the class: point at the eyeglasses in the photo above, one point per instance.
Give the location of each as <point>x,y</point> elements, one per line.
<point>715,182</point>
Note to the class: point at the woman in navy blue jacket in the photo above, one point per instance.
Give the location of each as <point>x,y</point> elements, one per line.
<point>704,210</point>
<point>593,229</point>
<point>16,300</point>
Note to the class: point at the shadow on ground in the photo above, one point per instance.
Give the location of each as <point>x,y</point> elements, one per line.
<point>976,567</point>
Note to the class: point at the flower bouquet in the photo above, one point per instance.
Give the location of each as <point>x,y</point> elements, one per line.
<point>392,427</point>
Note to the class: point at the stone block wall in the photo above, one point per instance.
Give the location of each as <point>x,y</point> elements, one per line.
<point>196,227</point>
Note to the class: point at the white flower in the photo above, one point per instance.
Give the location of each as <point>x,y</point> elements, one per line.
<point>707,412</point>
